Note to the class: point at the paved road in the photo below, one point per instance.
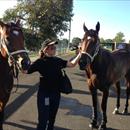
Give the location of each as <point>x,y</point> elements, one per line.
<point>75,109</point>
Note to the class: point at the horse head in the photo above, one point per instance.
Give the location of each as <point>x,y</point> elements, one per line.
<point>89,46</point>
<point>12,44</point>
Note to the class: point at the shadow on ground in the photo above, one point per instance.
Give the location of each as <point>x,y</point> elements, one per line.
<point>25,127</point>
<point>75,107</point>
<point>20,100</point>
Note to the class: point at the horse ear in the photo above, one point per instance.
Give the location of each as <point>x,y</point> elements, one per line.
<point>18,22</point>
<point>98,27</point>
<point>85,28</point>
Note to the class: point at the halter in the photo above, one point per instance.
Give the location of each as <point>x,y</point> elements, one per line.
<point>15,65</point>
<point>10,54</point>
<point>95,53</point>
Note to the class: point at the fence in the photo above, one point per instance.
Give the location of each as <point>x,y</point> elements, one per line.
<point>112,45</point>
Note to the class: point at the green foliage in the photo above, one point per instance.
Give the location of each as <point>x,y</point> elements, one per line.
<point>75,41</point>
<point>41,18</point>
<point>32,42</point>
<point>119,38</point>
<point>109,41</point>
<point>104,41</point>
<point>62,46</point>
<point>63,43</point>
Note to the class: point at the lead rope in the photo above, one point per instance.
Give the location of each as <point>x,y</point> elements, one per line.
<point>14,67</point>
<point>15,70</point>
<point>16,76</point>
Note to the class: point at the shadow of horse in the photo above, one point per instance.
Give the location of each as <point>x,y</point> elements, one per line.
<point>28,127</point>
<point>112,129</point>
<point>75,107</point>
<point>20,100</point>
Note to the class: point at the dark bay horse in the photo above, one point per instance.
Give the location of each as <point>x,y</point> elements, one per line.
<point>103,68</point>
<point>11,49</point>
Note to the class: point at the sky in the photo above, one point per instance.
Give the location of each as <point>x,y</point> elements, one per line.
<point>113,15</point>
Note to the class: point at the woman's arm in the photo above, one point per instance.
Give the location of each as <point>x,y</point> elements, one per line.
<point>74,61</point>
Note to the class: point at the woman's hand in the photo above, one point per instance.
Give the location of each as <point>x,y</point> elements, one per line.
<point>74,61</point>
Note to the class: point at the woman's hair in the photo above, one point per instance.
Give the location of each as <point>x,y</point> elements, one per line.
<point>41,54</point>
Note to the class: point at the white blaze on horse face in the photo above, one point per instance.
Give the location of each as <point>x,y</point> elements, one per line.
<point>84,46</point>
<point>2,32</point>
<point>16,32</point>
<point>88,37</point>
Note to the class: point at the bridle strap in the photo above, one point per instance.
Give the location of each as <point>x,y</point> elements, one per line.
<point>10,54</point>
<point>17,52</point>
<point>95,53</point>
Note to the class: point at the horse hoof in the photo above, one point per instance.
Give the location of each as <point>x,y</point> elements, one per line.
<point>125,112</point>
<point>116,111</point>
<point>102,127</point>
<point>93,124</point>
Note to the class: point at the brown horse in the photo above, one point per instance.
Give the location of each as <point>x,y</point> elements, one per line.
<point>11,48</point>
<point>103,69</point>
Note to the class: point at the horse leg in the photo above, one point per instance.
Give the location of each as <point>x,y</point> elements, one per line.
<point>1,120</point>
<point>1,115</point>
<point>93,123</point>
<point>104,108</point>
<point>125,111</point>
<point>3,103</point>
<point>116,110</point>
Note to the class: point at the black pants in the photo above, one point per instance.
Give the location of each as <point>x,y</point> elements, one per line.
<point>48,104</point>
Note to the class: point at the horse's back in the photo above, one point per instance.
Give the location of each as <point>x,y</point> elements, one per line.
<point>121,66</point>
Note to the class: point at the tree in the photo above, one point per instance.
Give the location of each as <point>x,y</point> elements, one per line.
<point>42,18</point>
<point>108,41</point>
<point>119,38</point>
<point>102,40</point>
<point>75,41</point>
<point>129,41</point>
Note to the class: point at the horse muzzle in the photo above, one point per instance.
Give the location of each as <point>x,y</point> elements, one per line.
<point>25,63</point>
<point>84,62</point>
<point>82,66</point>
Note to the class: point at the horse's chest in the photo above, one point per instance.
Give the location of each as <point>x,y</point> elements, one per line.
<point>98,82</point>
<point>6,75</point>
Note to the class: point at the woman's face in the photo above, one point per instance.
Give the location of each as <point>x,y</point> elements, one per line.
<point>51,50</point>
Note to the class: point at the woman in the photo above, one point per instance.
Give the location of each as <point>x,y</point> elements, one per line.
<point>49,66</point>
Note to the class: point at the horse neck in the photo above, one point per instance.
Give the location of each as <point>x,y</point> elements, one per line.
<point>101,62</point>
<point>4,65</point>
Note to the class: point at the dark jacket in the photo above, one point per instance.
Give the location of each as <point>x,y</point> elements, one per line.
<point>50,71</point>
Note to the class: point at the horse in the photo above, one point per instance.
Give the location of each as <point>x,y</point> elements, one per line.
<point>103,69</point>
<point>13,57</point>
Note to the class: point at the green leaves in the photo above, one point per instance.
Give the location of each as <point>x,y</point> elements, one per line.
<point>42,18</point>
<point>119,38</point>
<point>75,41</point>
